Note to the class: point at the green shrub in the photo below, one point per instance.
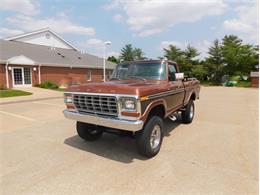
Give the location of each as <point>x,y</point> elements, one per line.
<point>47,85</point>
<point>244,84</point>
<point>199,72</point>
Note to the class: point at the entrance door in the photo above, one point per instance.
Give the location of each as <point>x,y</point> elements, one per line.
<point>22,77</point>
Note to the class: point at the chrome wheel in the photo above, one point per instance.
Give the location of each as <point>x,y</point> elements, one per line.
<point>191,111</point>
<point>155,137</point>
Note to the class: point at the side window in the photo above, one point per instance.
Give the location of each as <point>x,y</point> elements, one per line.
<point>172,72</point>
<point>89,75</point>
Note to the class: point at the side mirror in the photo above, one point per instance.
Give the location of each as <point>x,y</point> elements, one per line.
<point>179,76</point>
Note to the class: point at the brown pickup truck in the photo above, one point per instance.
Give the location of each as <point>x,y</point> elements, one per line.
<point>134,101</point>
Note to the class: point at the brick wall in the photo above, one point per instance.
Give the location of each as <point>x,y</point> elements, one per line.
<point>62,76</point>
<point>2,76</point>
<point>255,82</point>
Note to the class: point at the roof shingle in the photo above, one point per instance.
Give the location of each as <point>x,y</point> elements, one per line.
<point>48,56</point>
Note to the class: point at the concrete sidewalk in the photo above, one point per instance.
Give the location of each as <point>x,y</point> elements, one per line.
<point>37,94</point>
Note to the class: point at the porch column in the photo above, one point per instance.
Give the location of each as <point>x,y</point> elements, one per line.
<point>6,75</point>
<point>39,74</point>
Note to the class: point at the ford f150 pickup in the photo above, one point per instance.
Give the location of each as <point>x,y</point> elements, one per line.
<point>139,95</point>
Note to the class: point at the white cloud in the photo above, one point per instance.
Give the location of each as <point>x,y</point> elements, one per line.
<point>97,43</point>
<point>148,17</point>
<point>165,44</point>
<point>113,53</point>
<point>27,7</point>
<point>4,32</point>
<point>245,24</point>
<point>201,46</point>
<point>96,47</point>
<point>59,24</point>
<point>118,18</point>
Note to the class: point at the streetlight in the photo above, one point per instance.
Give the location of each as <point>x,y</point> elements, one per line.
<point>104,59</point>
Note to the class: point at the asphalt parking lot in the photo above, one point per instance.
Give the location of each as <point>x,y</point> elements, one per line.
<point>216,154</point>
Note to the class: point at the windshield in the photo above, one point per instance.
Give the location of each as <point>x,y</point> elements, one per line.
<point>149,71</point>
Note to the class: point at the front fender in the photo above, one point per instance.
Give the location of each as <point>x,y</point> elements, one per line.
<point>152,105</point>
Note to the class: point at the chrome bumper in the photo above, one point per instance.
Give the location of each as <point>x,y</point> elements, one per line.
<point>105,121</point>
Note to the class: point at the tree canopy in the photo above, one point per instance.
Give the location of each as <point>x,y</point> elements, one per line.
<point>228,56</point>
<point>129,53</point>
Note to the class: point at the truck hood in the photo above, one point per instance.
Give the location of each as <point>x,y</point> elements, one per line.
<point>131,87</point>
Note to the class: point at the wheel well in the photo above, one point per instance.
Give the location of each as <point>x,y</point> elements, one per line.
<point>158,110</point>
<point>193,97</point>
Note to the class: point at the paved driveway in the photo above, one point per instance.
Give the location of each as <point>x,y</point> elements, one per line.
<point>216,154</point>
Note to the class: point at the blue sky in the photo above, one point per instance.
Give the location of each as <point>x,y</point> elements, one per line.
<point>147,24</point>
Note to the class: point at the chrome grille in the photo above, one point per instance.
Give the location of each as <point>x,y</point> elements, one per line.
<point>97,104</point>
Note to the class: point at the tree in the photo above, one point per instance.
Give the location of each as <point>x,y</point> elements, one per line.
<point>185,58</point>
<point>113,59</point>
<point>215,53</point>
<point>239,58</point>
<point>174,53</point>
<point>215,62</point>
<point>190,53</point>
<point>231,49</point>
<point>200,72</point>
<point>138,54</point>
<point>128,53</point>
<point>248,58</point>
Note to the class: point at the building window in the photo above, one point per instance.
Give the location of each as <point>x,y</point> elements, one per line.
<point>109,74</point>
<point>89,75</point>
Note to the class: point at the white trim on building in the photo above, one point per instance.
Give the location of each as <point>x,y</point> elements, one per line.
<point>45,37</point>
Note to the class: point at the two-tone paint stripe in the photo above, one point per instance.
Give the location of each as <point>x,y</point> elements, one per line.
<point>167,93</point>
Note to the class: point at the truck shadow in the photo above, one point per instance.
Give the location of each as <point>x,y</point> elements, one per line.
<point>113,147</point>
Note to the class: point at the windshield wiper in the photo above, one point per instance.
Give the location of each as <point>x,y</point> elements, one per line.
<point>136,77</point>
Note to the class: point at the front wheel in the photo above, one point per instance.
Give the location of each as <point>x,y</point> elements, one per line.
<point>150,138</point>
<point>188,114</point>
<point>88,132</point>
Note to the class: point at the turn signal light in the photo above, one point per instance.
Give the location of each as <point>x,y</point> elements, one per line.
<point>133,114</point>
<point>70,106</point>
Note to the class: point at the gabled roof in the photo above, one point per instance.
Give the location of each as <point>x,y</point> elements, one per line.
<point>14,38</point>
<point>49,56</point>
<point>21,60</point>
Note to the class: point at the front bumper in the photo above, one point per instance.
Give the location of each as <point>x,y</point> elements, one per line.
<point>105,121</point>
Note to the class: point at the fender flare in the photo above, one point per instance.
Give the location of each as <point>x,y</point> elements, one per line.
<point>153,105</point>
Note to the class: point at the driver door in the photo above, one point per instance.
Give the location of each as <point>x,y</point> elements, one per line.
<point>175,88</point>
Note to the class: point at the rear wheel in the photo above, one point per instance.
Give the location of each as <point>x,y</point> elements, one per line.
<point>188,113</point>
<point>150,138</point>
<point>89,132</point>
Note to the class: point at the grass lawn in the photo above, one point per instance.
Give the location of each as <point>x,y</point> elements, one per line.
<point>13,93</point>
<point>243,84</point>
<point>60,89</point>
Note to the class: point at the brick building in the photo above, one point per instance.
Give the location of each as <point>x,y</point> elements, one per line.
<point>32,58</point>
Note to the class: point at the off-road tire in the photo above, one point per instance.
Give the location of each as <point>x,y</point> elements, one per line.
<point>89,132</point>
<point>144,137</point>
<point>188,114</point>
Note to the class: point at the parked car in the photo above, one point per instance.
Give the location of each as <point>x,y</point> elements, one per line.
<point>135,100</point>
